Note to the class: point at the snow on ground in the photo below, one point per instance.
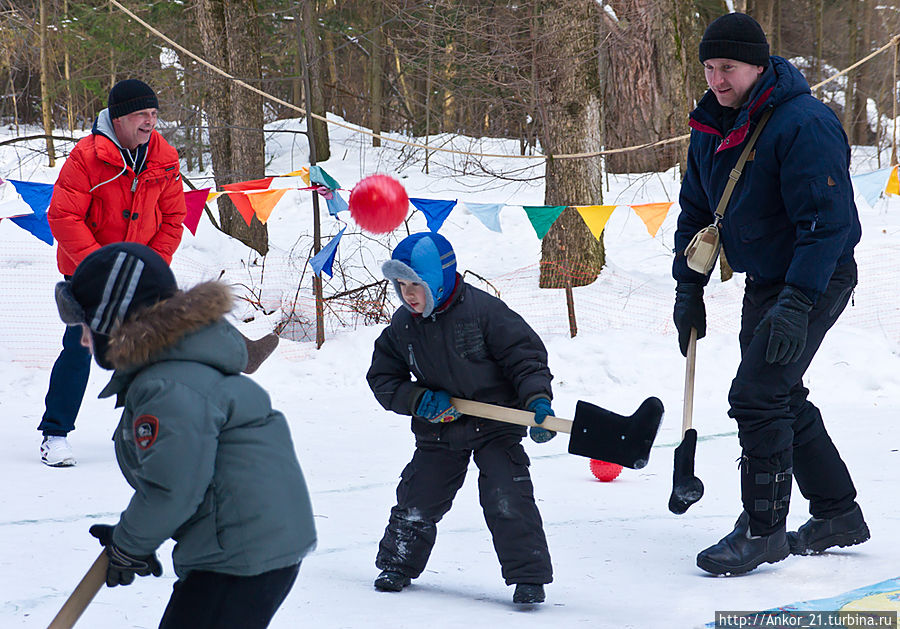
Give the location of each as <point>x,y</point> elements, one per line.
<point>621,558</point>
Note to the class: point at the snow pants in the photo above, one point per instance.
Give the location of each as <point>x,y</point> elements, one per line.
<point>213,600</point>
<point>427,487</point>
<point>778,426</point>
<point>68,381</point>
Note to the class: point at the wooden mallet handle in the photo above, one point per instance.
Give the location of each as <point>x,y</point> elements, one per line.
<point>83,594</point>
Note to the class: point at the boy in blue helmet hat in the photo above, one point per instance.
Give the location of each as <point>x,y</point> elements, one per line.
<point>447,340</point>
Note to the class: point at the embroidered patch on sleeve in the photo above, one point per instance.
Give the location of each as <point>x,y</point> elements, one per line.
<point>146,428</point>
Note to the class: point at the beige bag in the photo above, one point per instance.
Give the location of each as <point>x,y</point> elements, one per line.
<point>702,251</point>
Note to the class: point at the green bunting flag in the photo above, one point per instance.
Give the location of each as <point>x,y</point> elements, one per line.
<point>542,217</point>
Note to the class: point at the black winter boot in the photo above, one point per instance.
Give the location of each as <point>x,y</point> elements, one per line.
<point>739,552</point>
<point>389,581</point>
<point>818,535</point>
<point>528,593</point>
<point>759,534</point>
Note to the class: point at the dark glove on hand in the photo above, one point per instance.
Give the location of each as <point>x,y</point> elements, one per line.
<point>541,409</point>
<point>785,324</point>
<point>690,312</point>
<point>435,406</point>
<point>122,566</point>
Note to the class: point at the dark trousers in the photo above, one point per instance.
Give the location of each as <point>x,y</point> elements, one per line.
<point>427,487</point>
<point>775,419</point>
<point>212,600</point>
<point>68,381</point>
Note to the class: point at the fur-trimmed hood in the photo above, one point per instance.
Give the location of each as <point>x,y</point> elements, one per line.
<point>181,328</point>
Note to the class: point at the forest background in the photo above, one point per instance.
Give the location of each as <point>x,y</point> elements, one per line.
<point>563,77</point>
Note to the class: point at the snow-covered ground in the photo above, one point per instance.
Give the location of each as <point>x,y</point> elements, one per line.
<point>621,558</point>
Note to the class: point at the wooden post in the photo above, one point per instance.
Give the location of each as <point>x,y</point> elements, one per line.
<point>317,230</point>
<point>570,305</point>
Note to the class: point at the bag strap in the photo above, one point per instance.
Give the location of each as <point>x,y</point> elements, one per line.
<point>735,173</point>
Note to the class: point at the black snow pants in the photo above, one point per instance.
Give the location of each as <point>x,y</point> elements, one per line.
<point>776,421</point>
<point>428,485</point>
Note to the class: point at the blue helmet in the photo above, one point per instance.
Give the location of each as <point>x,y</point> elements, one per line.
<point>426,258</point>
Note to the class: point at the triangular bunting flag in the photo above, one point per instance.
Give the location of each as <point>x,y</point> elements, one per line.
<point>323,260</point>
<point>241,203</point>
<point>194,200</point>
<point>653,214</point>
<point>435,211</point>
<point>871,185</point>
<point>264,202</point>
<point>542,217</point>
<point>37,196</point>
<point>487,213</point>
<point>319,176</point>
<point>595,217</point>
<point>213,195</point>
<point>303,173</point>
<point>336,203</point>
<point>11,202</point>
<point>893,184</point>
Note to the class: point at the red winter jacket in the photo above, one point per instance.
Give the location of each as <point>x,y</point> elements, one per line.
<point>98,200</point>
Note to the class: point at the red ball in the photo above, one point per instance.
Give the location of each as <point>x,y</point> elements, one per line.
<point>604,471</point>
<point>378,204</point>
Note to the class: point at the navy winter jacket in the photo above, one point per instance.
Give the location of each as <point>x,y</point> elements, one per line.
<point>791,218</point>
<point>475,347</point>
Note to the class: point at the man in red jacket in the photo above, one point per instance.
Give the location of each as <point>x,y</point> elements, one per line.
<point>121,183</point>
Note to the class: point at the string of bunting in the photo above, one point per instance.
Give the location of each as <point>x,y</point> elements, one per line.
<point>25,203</point>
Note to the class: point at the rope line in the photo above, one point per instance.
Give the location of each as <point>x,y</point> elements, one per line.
<point>895,40</point>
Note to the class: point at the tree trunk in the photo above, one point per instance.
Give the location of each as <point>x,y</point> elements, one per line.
<point>229,35</point>
<point>316,97</point>
<point>647,98</point>
<point>376,70</point>
<point>46,105</point>
<point>569,111</point>
<point>849,92</point>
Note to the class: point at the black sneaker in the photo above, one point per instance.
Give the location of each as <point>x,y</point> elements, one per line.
<point>818,535</point>
<point>739,552</point>
<point>528,593</point>
<point>389,581</point>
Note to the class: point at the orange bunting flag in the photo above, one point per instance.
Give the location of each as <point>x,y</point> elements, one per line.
<point>893,184</point>
<point>653,215</point>
<point>303,173</point>
<point>595,217</point>
<point>241,202</point>
<point>264,202</point>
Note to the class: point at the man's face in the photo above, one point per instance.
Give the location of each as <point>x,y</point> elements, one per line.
<point>730,80</point>
<point>413,294</point>
<point>134,129</point>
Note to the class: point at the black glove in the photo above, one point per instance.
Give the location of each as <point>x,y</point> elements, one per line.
<point>122,566</point>
<point>690,312</point>
<point>785,324</point>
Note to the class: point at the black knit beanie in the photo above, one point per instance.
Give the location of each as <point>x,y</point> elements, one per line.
<point>129,96</point>
<point>735,36</point>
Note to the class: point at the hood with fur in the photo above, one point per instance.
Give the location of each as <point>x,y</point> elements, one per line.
<point>181,328</point>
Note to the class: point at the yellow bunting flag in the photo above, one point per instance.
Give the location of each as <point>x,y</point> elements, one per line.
<point>264,202</point>
<point>303,173</point>
<point>653,215</point>
<point>213,195</point>
<point>893,184</point>
<point>595,217</point>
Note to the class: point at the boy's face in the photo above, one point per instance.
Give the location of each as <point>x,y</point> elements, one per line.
<point>731,80</point>
<point>413,294</point>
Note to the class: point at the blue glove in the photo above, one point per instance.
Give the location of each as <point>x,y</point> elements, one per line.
<point>122,566</point>
<point>435,406</point>
<point>785,324</point>
<point>541,409</point>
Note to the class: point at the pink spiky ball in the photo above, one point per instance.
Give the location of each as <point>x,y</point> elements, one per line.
<point>604,471</point>
<point>378,203</point>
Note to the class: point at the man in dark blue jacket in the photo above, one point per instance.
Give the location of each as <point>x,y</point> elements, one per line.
<point>456,340</point>
<point>790,226</point>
